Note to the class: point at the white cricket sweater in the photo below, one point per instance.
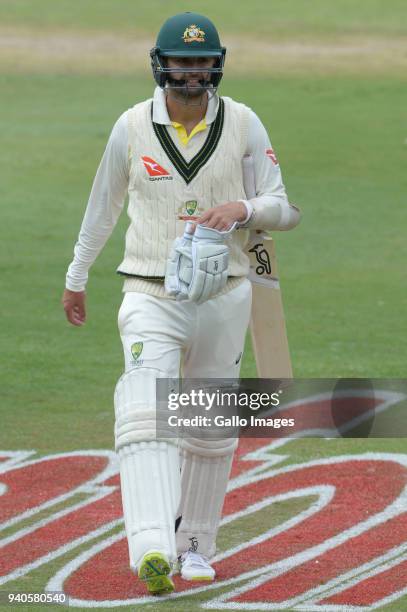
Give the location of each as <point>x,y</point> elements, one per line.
<point>163,186</point>
<point>112,180</point>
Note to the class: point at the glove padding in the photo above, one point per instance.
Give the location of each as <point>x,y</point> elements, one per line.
<point>210,259</point>
<point>178,272</point>
<point>197,268</point>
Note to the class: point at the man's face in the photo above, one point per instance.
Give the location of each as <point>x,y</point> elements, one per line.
<point>190,71</point>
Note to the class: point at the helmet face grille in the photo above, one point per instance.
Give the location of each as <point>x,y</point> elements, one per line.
<point>187,35</point>
<point>162,74</point>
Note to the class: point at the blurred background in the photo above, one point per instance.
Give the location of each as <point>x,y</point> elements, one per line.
<point>328,80</point>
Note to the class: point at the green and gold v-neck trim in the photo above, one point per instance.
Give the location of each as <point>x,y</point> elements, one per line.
<point>189,170</point>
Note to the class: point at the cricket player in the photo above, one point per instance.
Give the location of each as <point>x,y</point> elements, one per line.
<point>187,299</point>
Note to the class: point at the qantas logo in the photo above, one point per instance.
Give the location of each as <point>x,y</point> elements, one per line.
<point>270,153</point>
<point>155,171</point>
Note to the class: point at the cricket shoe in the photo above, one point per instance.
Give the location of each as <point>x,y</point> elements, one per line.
<point>154,570</point>
<point>194,566</point>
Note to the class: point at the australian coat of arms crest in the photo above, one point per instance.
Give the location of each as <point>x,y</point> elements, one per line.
<point>193,34</point>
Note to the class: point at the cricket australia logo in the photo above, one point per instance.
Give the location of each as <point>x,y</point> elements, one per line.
<point>190,206</point>
<point>136,350</point>
<point>262,258</point>
<point>189,211</point>
<point>193,34</point>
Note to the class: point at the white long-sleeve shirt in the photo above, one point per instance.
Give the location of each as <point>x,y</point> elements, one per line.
<point>110,186</point>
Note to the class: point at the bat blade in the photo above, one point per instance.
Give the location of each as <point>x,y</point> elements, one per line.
<point>267,323</point>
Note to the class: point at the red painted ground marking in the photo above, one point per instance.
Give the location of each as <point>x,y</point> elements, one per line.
<point>372,589</point>
<point>363,488</point>
<point>59,532</point>
<point>40,482</point>
<point>351,554</point>
<point>377,483</point>
<point>106,576</point>
<point>318,414</point>
<point>246,445</point>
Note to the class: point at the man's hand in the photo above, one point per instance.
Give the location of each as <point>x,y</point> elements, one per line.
<point>74,306</point>
<point>222,217</point>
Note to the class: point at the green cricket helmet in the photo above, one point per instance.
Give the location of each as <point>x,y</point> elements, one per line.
<point>187,35</point>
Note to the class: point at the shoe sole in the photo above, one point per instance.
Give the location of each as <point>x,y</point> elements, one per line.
<point>154,570</point>
<point>198,578</point>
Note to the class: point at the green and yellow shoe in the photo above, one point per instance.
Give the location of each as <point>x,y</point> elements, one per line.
<point>154,570</point>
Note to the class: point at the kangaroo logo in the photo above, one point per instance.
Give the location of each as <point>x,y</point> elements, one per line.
<point>153,168</point>
<point>262,258</point>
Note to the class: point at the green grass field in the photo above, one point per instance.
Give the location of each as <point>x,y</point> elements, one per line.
<point>328,79</point>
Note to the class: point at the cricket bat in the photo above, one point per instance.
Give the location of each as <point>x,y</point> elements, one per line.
<point>267,322</point>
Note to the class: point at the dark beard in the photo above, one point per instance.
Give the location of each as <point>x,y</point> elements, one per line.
<point>183,93</point>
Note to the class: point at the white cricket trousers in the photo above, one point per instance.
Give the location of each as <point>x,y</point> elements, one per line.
<point>201,341</point>
<point>205,340</point>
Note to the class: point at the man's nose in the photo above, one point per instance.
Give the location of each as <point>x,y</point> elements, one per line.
<point>194,70</point>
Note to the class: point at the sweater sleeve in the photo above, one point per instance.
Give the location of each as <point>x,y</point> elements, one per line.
<point>105,204</point>
<point>271,209</point>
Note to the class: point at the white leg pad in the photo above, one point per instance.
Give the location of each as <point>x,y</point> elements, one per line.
<point>205,473</point>
<point>149,469</point>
